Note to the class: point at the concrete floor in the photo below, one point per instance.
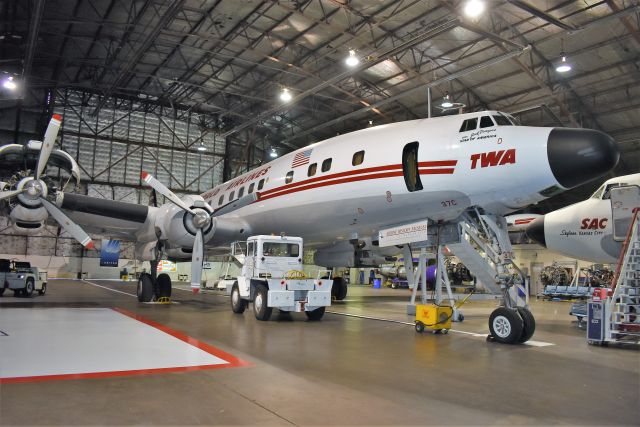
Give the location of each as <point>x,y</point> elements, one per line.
<point>341,371</point>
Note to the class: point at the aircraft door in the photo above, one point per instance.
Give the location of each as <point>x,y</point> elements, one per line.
<point>624,202</point>
<point>410,166</point>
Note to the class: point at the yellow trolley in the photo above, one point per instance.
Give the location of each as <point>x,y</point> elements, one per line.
<point>434,317</point>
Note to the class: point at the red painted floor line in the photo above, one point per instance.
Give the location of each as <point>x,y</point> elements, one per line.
<point>232,361</point>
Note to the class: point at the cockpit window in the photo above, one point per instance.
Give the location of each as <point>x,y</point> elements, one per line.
<point>513,120</point>
<point>598,192</point>
<point>469,124</point>
<point>486,122</point>
<point>502,121</point>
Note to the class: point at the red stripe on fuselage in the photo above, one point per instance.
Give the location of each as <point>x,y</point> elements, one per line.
<point>316,183</point>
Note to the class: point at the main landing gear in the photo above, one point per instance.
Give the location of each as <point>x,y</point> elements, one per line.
<point>152,288</point>
<point>511,325</point>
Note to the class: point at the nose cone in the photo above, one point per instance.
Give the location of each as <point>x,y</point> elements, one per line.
<point>577,156</point>
<point>535,231</point>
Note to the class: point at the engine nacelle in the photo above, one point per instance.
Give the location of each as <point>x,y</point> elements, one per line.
<point>28,220</point>
<point>177,227</point>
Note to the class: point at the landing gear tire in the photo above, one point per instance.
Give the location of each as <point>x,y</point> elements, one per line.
<point>163,282</point>
<point>145,288</point>
<point>260,309</point>
<point>419,327</point>
<point>315,315</point>
<point>529,324</point>
<point>505,325</point>
<point>28,288</point>
<point>238,305</point>
<point>41,291</point>
<point>339,289</point>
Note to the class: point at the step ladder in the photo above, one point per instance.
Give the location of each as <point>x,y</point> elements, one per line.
<point>624,304</point>
<point>485,249</point>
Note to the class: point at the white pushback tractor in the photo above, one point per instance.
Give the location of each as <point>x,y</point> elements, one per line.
<point>272,277</point>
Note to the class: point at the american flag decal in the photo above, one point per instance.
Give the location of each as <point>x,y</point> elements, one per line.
<point>301,158</point>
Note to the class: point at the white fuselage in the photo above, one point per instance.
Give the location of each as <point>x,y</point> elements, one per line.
<point>501,169</point>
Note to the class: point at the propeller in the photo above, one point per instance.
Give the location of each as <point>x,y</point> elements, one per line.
<point>201,220</point>
<point>9,194</point>
<point>69,226</point>
<point>34,190</point>
<point>48,143</point>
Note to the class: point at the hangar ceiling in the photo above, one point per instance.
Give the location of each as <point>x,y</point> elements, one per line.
<point>223,63</point>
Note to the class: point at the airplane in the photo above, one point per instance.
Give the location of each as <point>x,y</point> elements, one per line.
<point>339,193</point>
<point>583,230</point>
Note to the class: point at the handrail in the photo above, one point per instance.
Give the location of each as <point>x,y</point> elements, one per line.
<point>625,247</point>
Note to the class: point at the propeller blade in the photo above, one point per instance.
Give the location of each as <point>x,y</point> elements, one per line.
<point>48,143</point>
<point>9,194</point>
<point>196,261</point>
<point>162,189</point>
<point>69,226</point>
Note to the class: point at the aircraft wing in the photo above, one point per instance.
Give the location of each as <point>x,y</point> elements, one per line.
<point>111,218</point>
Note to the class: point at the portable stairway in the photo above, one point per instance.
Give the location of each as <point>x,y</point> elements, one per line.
<point>484,248</point>
<point>624,305</point>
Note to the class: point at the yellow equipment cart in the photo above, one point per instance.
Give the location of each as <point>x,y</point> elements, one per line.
<point>435,317</point>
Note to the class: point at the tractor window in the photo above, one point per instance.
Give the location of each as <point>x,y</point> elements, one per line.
<point>410,167</point>
<point>280,249</point>
<point>250,248</point>
<point>486,122</point>
<point>289,177</point>
<point>469,124</point>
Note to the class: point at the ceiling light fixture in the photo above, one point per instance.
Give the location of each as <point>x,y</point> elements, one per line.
<point>9,83</point>
<point>285,95</point>
<point>273,154</point>
<point>563,66</point>
<point>201,147</point>
<point>474,8</point>
<point>446,101</point>
<point>352,60</point>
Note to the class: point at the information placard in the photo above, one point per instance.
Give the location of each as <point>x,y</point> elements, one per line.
<point>403,234</point>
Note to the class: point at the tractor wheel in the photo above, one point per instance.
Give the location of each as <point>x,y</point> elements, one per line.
<point>28,288</point>
<point>43,290</point>
<point>315,315</point>
<point>238,305</point>
<point>260,309</point>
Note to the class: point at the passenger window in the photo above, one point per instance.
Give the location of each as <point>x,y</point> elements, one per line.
<point>469,124</point>
<point>486,122</point>
<point>326,165</point>
<point>261,184</point>
<point>240,192</point>
<point>231,195</point>
<point>502,121</point>
<point>289,177</point>
<point>221,200</point>
<point>358,158</point>
<point>410,167</point>
<point>253,184</point>
<point>313,167</point>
